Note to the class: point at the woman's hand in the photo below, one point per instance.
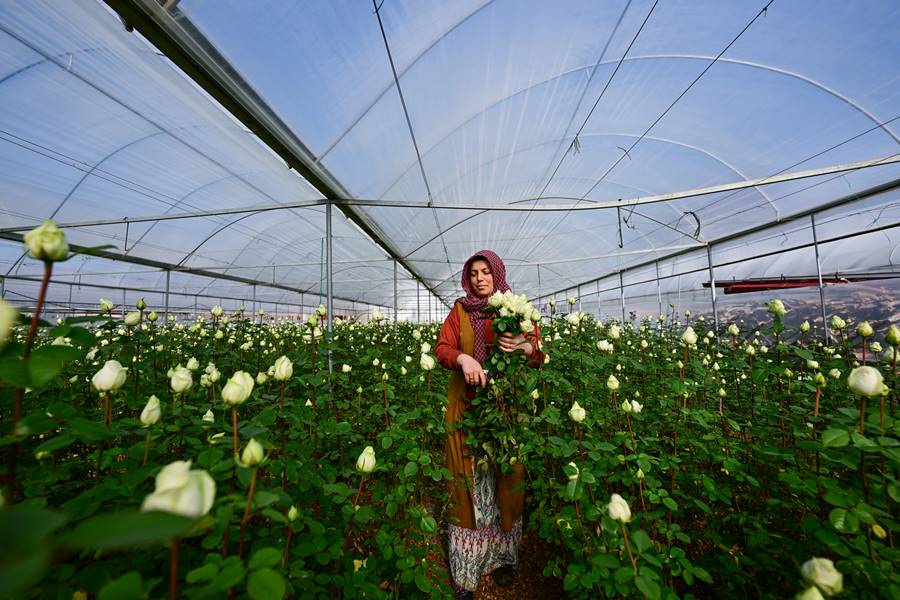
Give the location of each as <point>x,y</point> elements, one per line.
<point>510,343</point>
<point>472,370</point>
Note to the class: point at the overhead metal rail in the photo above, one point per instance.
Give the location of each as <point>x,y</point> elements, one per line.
<point>172,32</point>
<point>805,214</point>
<point>594,205</point>
<point>163,266</point>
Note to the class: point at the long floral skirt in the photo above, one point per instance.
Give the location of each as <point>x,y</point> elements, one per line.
<point>483,549</point>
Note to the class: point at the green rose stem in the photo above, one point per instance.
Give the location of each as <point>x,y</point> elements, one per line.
<point>281,400</point>
<point>246,517</point>
<point>580,448</point>
<point>147,447</point>
<point>287,544</point>
<point>387,420</point>
<point>234,428</point>
<point>894,383</point>
<point>173,570</point>
<point>20,392</point>
<point>337,565</point>
<point>628,547</point>
<point>630,431</point>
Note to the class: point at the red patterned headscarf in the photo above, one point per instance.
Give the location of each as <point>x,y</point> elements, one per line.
<point>473,304</point>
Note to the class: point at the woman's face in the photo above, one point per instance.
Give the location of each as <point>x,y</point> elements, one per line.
<point>481,279</point>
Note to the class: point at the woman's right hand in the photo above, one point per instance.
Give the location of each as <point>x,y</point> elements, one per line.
<point>473,373</point>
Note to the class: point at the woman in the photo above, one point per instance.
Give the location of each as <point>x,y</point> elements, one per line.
<point>486,512</point>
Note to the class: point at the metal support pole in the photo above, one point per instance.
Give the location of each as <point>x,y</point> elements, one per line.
<point>329,278</point>
<point>168,277</point>
<point>123,303</point>
<point>812,219</point>
<point>418,308</point>
<point>254,301</point>
<point>658,289</point>
<point>195,306</point>
<point>622,295</point>
<point>579,298</point>
<point>598,299</point>
<point>396,320</point>
<point>712,289</point>
<point>539,282</point>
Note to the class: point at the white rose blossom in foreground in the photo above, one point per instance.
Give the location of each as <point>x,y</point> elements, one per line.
<point>181,491</point>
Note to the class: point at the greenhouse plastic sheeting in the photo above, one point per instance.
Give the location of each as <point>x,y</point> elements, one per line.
<point>510,102</point>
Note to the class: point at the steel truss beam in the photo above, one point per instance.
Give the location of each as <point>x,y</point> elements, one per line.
<point>176,37</point>
<point>594,205</point>
<point>163,266</point>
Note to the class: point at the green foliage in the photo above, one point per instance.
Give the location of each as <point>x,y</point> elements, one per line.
<point>737,490</point>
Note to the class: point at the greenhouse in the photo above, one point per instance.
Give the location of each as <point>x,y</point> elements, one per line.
<point>470,299</point>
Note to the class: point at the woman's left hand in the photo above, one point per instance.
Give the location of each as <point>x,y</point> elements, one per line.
<point>510,343</point>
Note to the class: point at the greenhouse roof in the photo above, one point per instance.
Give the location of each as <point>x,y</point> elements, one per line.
<point>580,141</point>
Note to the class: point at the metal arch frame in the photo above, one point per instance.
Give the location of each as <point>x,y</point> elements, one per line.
<point>598,134</point>
<point>252,239</point>
<point>86,174</point>
<point>145,118</point>
<point>711,155</point>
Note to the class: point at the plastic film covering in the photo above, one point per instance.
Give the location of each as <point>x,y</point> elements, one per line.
<point>521,103</point>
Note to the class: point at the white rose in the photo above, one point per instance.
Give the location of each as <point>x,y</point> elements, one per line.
<point>151,413</point>
<point>614,332</point>
<point>838,323</point>
<point>612,383</point>
<point>426,347</point>
<point>776,307</point>
<point>576,413</point>
<point>427,362</point>
<point>636,407</point>
<point>366,461</point>
<point>216,311</point>
<point>284,368</point>
<point>238,388</point>
<point>209,417</point>
<point>181,491</point>
<point>181,380</point>
<point>110,377</point>
<point>106,306</point>
<point>132,318</point>
<point>47,242</point>
<point>821,573</point>
<point>618,509</point>
<point>866,381</point>
<point>193,364</point>
<point>689,337</point>
<point>253,454</point>
<point>261,378</point>
<point>733,330</point>
<point>346,368</point>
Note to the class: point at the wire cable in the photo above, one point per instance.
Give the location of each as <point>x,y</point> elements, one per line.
<point>412,133</point>
<point>761,12</point>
